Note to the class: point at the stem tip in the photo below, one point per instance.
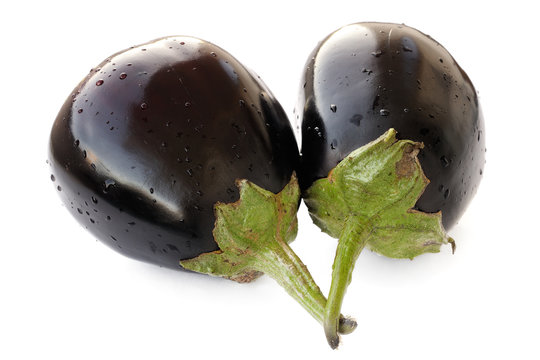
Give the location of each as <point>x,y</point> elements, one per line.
<point>347,325</point>
<point>333,341</point>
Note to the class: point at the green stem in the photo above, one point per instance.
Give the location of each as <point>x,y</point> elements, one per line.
<point>253,234</point>
<point>285,267</point>
<point>352,240</point>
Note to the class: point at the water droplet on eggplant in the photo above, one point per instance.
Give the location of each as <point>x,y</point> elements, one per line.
<point>356,119</point>
<point>444,161</point>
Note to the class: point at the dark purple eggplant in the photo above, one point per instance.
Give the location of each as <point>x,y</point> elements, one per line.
<point>367,81</point>
<point>174,153</point>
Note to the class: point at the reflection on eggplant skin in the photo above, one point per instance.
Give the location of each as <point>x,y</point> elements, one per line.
<point>157,134</point>
<point>368,77</point>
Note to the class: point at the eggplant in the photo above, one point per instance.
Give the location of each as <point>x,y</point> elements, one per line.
<point>174,153</point>
<point>391,92</point>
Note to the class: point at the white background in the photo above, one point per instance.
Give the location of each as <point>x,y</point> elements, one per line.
<point>66,296</point>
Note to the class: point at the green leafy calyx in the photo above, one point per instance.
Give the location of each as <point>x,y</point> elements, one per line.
<point>245,230</point>
<point>376,188</point>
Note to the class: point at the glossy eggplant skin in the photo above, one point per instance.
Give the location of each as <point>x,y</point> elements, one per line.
<point>365,78</point>
<point>157,134</point>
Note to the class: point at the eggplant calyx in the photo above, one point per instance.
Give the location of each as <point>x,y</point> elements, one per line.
<point>367,200</point>
<point>253,235</point>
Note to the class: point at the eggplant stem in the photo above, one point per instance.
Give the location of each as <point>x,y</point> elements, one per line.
<point>352,240</point>
<point>286,268</point>
<point>253,235</point>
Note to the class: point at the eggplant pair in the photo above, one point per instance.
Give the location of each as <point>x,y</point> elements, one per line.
<point>174,153</point>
